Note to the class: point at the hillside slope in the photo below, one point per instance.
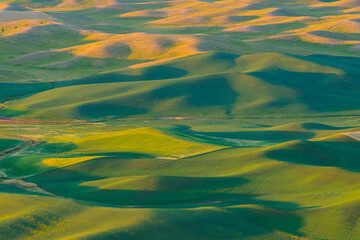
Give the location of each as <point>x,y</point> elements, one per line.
<point>224,85</point>
<point>180,119</point>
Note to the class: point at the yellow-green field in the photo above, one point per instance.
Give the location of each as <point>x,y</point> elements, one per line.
<point>262,180</point>
<point>179,119</point>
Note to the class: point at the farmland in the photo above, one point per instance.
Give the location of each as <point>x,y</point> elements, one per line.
<point>179,119</point>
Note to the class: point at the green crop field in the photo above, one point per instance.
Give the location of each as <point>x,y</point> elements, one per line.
<point>180,119</point>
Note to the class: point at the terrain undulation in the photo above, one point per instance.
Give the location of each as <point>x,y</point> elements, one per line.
<point>179,119</point>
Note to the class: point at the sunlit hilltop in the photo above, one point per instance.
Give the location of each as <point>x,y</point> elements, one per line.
<point>179,119</point>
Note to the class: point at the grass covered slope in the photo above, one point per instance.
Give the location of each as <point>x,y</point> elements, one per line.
<point>135,181</point>
<point>224,169</point>
<point>203,59</point>
<point>290,86</point>
<point>69,219</point>
<point>8,143</point>
<point>179,119</point>
<point>145,143</point>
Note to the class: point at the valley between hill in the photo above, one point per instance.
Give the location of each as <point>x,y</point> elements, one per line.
<point>179,119</point>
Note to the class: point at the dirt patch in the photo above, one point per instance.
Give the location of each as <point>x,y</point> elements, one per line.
<point>28,186</point>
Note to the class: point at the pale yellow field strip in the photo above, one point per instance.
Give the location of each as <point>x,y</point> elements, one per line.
<point>355,135</point>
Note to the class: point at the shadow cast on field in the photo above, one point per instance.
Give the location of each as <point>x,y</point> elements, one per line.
<point>108,109</point>
<point>320,92</point>
<point>239,222</point>
<point>207,206</point>
<point>196,205</point>
<point>133,75</point>
<point>263,135</point>
<point>207,91</point>
<point>102,180</point>
<point>344,155</point>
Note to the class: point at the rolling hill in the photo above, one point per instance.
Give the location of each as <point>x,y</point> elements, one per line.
<point>291,85</point>
<point>179,119</point>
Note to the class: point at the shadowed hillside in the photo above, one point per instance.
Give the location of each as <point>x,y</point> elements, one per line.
<point>259,85</point>
<point>179,119</point>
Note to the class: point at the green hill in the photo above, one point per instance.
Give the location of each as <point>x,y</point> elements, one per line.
<point>290,86</point>
<point>179,119</point>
